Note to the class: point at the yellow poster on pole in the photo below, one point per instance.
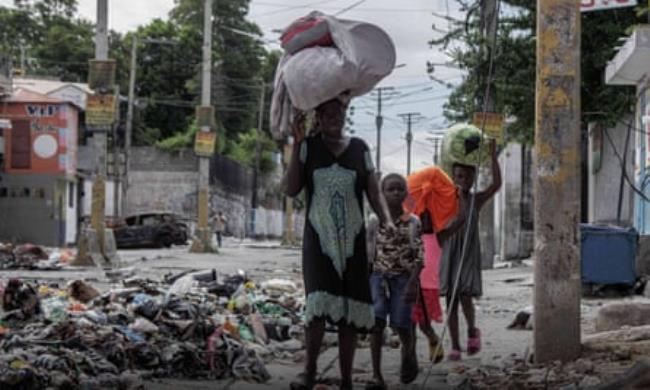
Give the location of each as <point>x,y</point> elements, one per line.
<point>493,123</point>
<point>204,143</point>
<point>100,112</point>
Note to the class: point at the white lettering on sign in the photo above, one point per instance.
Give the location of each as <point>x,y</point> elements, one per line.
<point>42,111</point>
<point>596,5</point>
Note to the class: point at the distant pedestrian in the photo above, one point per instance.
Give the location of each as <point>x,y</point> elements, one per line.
<point>220,227</point>
<point>461,244</point>
<point>394,280</point>
<point>335,171</point>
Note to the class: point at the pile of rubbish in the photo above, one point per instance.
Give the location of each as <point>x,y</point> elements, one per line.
<point>32,257</point>
<point>190,325</point>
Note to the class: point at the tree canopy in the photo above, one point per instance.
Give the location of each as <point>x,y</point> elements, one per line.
<point>514,65</point>
<point>56,42</point>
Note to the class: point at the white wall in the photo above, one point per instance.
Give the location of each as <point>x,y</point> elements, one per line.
<point>604,184</point>
<point>87,198</point>
<point>71,213</point>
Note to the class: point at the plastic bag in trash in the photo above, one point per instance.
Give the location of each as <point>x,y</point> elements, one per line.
<point>55,309</point>
<point>143,325</point>
<point>182,286</point>
<point>279,286</point>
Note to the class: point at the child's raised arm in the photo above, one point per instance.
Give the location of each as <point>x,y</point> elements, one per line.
<point>484,196</point>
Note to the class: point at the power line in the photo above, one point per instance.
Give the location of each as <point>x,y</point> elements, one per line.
<point>288,9</point>
<point>344,10</point>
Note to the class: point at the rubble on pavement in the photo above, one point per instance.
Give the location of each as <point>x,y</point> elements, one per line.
<point>33,257</point>
<point>610,360</point>
<point>618,315</point>
<point>588,372</point>
<point>192,325</point>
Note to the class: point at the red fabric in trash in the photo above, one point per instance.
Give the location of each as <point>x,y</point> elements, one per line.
<point>431,189</point>
<point>306,32</point>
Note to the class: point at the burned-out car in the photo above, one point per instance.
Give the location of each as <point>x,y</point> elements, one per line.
<point>150,230</point>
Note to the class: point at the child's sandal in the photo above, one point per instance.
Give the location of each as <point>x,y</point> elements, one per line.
<point>474,343</point>
<point>454,355</point>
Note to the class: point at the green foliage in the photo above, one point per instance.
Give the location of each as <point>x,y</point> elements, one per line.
<point>59,44</point>
<point>244,148</point>
<point>55,42</point>
<point>179,140</point>
<point>514,66</point>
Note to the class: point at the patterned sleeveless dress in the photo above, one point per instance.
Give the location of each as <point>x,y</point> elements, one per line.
<point>334,259</point>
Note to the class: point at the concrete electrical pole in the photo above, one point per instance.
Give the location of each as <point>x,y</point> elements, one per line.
<point>258,152</point>
<point>379,122</point>
<point>97,244</point>
<point>129,121</point>
<point>202,242</point>
<point>98,202</point>
<point>410,118</point>
<point>488,24</point>
<point>557,182</point>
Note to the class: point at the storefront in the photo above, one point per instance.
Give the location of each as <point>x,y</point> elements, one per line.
<point>38,186</point>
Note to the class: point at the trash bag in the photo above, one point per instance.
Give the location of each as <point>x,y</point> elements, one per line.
<point>21,296</point>
<point>82,291</point>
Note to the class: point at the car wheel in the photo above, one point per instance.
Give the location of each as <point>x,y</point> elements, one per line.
<point>164,241</point>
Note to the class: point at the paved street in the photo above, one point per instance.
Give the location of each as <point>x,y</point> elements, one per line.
<point>507,291</point>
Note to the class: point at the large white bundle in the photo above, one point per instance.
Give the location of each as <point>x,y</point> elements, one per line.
<point>317,74</point>
<point>363,55</point>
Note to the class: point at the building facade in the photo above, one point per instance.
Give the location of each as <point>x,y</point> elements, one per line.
<point>38,186</point>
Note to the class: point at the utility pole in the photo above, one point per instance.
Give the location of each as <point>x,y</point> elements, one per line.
<point>258,151</point>
<point>129,121</point>
<point>488,26</point>
<point>410,118</point>
<point>436,149</point>
<point>557,182</point>
<point>97,244</point>
<point>288,239</point>
<point>99,138</point>
<point>379,121</point>
<point>203,240</point>
<point>23,71</point>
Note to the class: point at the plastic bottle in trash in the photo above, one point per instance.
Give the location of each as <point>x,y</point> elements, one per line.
<point>231,327</point>
<point>245,333</point>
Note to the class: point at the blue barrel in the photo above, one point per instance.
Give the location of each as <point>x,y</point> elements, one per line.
<point>608,254</point>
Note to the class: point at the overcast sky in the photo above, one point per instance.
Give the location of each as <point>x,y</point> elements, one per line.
<point>408,22</point>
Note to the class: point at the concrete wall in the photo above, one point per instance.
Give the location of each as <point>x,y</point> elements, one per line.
<point>604,178</point>
<point>513,204</point>
<point>165,181</point>
<point>169,191</point>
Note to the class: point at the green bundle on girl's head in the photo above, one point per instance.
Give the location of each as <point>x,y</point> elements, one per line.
<point>461,145</point>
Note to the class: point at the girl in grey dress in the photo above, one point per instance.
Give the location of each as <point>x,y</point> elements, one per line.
<point>467,275</point>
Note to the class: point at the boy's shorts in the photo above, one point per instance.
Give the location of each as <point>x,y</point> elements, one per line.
<point>387,293</point>
<point>432,303</point>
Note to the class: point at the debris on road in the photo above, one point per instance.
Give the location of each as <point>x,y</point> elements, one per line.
<point>584,373</point>
<point>193,326</point>
<point>32,257</point>
<point>617,315</point>
<point>523,320</point>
